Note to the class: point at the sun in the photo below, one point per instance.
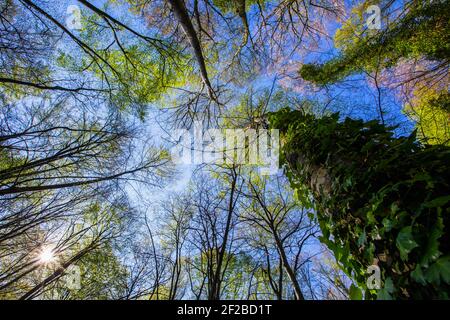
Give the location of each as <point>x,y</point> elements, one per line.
<point>46,255</point>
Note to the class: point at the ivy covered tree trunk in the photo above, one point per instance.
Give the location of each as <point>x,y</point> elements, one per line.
<point>380,200</point>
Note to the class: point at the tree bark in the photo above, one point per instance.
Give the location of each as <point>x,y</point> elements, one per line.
<point>179,8</point>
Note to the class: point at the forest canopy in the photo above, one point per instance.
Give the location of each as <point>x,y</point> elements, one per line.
<point>210,149</point>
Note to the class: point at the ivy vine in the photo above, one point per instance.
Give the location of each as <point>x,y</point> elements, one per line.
<point>379,199</point>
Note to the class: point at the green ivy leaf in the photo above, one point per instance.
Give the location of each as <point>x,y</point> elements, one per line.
<point>362,238</point>
<point>387,223</point>
<point>438,202</point>
<point>405,242</point>
<point>355,293</point>
<point>439,269</point>
<point>386,292</point>
<point>418,276</point>
<point>432,250</point>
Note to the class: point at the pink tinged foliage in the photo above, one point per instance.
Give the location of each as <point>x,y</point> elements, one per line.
<point>297,32</point>
<point>409,76</point>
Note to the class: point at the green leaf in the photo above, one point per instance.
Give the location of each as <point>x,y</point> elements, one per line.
<point>387,224</point>
<point>362,238</point>
<point>444,263</point>
<point>438,202</point>
<point>418,276</point>
<point>355,293</point>
<point>386,292</point>
<point>439,269</point>
<point>405,242</point>
<point>432,250</point>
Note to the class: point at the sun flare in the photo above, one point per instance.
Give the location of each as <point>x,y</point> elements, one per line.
<point>46,255</point>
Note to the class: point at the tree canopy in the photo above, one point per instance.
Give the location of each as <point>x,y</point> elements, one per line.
<point>210,149</point>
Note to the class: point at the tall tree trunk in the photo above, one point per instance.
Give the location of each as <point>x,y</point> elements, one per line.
<point>376,197</point>
<point>179,8</point>
<point>218,273</point>
<point>287,267</point>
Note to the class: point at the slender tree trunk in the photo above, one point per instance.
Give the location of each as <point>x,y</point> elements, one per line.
<point>217,278</point>
<point>287,267</point>
<point>179,8</point>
